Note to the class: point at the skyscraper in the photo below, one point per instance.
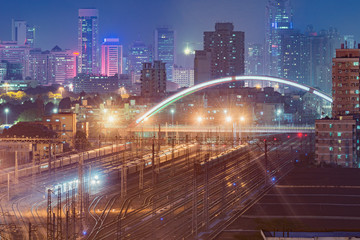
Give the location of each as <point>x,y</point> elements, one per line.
<point>165,40</point>
<point>255,59</point>
<point>226,50</point>
<point>22,33</point>
<point>139,53</point>
<point>111,57</point>
<point>279,19</point>
<point>88,41</point>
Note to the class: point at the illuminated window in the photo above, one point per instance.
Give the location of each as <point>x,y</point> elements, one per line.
<point>356,63</point>
<point>331,148</point>
<point>339,134</point>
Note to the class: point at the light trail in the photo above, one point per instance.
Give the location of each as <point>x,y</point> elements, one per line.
<point>219,81</point>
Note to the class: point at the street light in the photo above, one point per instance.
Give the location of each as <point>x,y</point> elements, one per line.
<point>199,119</point>
<point>172,116</point>
<point>228,119</point>
<point>6,114</point>
<point>242,119</point>
<point>55,110</point>
<point>278,112</point>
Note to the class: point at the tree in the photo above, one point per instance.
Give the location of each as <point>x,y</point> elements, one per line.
<point>81,141</point>
<point>49,107</point>
<point>29,115</point>
<point>65,103</point>
<point>28,129</point>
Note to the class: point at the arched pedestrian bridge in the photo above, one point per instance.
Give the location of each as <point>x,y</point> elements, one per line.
<point>219,81</point>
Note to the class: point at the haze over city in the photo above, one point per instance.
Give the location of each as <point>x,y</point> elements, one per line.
<point>192,119</point>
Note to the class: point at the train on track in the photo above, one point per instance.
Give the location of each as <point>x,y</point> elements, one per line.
<point>61,161</point>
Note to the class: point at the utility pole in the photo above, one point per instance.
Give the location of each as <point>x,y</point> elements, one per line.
<point>80,189</point>
<point>153,162</point>
<point>48,220</point>
<point>206,195</point>
<point>73,202</point>
<point>59,223</point>
<point>16,169</point>
<point>266,161</point>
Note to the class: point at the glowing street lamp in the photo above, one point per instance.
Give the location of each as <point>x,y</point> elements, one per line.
<point>279,112</point>
<point>228,119</point>
<point>111,119</point>
<point>55,110</point>
<point>199,119</point>
<point>6,114</point>
<point>172,111</point>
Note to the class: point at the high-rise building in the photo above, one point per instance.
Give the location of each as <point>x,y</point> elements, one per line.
<point>346,81</point>
<point>349,41</point>
<point>22,33</point>
<point>153,80</point>
<point>55,66</point>
<point>3,70</point>
<point>202,66</point>
<point>88,41</point>
<point>39,66</point>
<point>165,40</point>
<point>336,138</point>
<point>184,77</point>
<point>111,57</point>
<point>279,18</point>
<point>16,54</point>
<point>254,59</point>
<point>294,56</point>
<point>139,53</point>
<point>226,50</point>
<point>62,65</point>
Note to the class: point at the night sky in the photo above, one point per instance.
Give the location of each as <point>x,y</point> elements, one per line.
<point>130,19</point>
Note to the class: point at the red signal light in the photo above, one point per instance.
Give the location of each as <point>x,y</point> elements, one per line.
<point>288,136</point>
<point>264,140</point>
<point>305,135</point>
<point>274,139</point>
<point>300,134</point>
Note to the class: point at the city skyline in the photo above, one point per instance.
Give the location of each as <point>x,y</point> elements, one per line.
<point>114,19</point>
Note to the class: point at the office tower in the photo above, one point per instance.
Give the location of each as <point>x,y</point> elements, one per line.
<point>165,40</point>
<point>139,53</point>
<point>62,65</point>
<point>39,66</point>
<point>226,50</point>
<point>320,60</point>
<point>22,33</point>
<point>3,70</point>
<point>279,19</point>
<point>349,41</point>
<point>294,56</point>
<point>16,55</point>
<point>255,59</point>
<point>88,41</point>
<point>153,80</point>
<point>183,76</point>
<point>52,67</point>
<point>111,57</point>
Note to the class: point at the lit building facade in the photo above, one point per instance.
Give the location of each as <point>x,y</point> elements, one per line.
<point>139,53</point>
<point>88,41</point>
<point>224,49</point>
<point>279,18</point>
<point>336,141</point>
<point>346,82</point>
<point>16,54</point>
<point>95,84</point>
<point>22,33</point>
<point>165,40</point>
<point>111,57</point>
<point>184,77</point>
